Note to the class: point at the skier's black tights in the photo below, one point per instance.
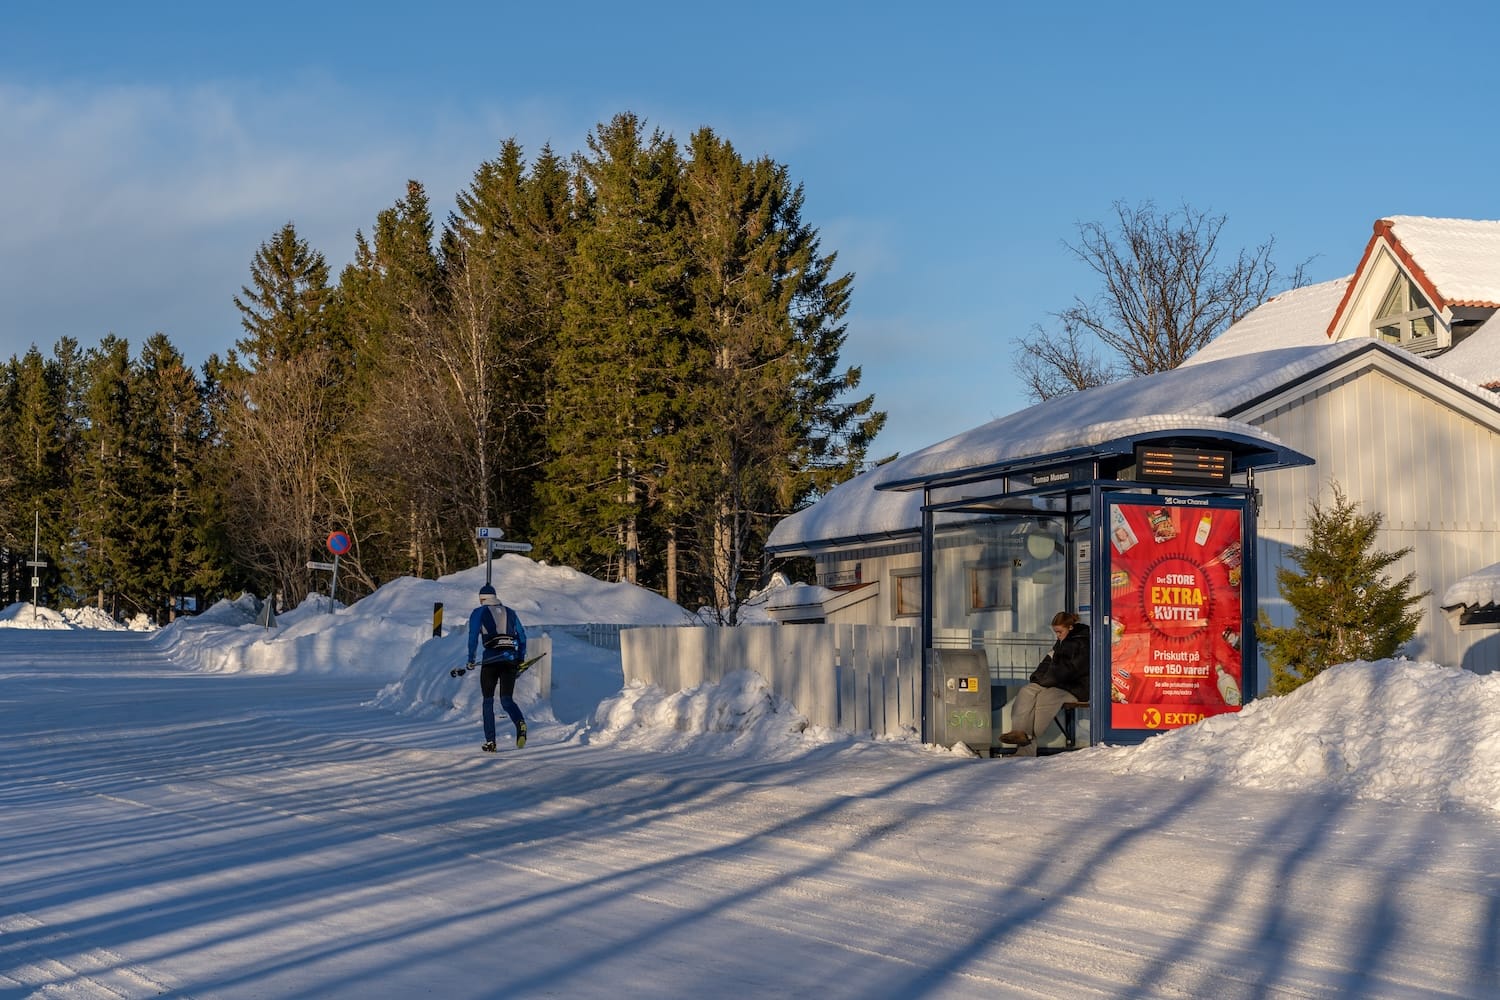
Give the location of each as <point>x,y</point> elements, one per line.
<point>503,676</point>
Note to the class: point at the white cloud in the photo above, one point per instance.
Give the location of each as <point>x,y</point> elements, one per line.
<point>137,209</point>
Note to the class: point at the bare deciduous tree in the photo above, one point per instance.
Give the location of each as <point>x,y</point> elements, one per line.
<point>1055,364</point>
<point>276,426</point>
<point>1165,293</point>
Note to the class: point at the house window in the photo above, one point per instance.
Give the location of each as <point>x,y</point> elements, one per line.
<point>1405,318</point>
<point>989,586</point>
<point>906,590</point>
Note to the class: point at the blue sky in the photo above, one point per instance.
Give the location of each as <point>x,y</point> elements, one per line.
<point>946,154</point>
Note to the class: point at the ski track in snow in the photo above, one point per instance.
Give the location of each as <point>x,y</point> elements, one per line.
<point>173,834</point>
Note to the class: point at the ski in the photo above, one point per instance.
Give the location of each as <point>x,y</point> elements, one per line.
<point>460,671</point>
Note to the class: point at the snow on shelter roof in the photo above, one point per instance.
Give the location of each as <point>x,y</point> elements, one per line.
<point>1196,395</point>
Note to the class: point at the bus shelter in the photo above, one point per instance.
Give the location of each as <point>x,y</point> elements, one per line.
<point>1149,537</point>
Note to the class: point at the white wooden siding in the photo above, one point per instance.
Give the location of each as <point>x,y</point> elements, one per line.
<point>876,563</point>
<point>1430,471</point>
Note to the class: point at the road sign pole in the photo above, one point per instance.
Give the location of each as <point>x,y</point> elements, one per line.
<point>489,536</point>
<point>36,563</point>
<point>491,539</point>
<point>338,544</point>
<point>333,584</point>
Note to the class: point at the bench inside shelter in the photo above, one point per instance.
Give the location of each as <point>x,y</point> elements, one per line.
<point>1012,658</point>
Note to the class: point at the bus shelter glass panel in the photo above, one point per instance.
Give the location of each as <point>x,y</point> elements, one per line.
<point>997,580</point>
<point>1176,610</point>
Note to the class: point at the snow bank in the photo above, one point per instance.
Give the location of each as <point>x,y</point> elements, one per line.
<point>378,636</point>
<point>23,615</point>
<point>740,715</point>
<point>1401,731</point>
<point>427,689</point>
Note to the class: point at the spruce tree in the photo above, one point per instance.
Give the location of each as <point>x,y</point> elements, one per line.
<point>505,256</point>
<point>283,306</point>
<point>105,493</point>
<point>747,250</point>
<point>769,424</point>
<point>170,439</point>
<point>629,358</point>
<point>1347,608</point>
<point>622,358</point>
<point>12,503</point>
<point>41,430</point>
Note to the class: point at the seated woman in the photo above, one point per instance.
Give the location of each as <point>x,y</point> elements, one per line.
<point>1063,675</point>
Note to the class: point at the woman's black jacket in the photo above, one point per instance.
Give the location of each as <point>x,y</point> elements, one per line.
<point>1067,666</point>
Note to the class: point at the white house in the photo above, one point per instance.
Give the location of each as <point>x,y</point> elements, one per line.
<point>1389,379</point>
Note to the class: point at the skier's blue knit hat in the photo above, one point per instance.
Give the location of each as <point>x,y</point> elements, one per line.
<point>487,595</point>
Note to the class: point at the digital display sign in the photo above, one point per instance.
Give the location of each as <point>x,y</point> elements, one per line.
<point>1193,466</point>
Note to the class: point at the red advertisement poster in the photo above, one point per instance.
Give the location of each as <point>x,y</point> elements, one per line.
<point>1175,570</point>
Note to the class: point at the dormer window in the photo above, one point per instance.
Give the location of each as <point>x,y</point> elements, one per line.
<point>1405,317</point>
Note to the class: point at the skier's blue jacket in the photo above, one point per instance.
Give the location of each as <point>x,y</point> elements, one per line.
<point>499,632</point>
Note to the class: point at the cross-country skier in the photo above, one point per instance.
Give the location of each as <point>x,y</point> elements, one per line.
<point>498,629</point>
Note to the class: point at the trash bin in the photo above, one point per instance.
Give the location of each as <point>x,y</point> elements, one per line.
<point>961,698</point>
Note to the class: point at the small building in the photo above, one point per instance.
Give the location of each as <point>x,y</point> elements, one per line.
<point>1386,378</point>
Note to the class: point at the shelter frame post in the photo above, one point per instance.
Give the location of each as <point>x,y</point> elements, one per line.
<point>928,522</point>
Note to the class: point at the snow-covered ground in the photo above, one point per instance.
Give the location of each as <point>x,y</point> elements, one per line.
<point>219,809</point>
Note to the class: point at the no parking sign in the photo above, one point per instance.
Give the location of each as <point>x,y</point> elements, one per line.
<point>338,544</point>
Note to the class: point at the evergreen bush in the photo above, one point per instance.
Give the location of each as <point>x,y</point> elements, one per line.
<point>1347,608</point>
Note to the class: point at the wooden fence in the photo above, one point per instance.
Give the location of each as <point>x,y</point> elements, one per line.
<point>858,678</point>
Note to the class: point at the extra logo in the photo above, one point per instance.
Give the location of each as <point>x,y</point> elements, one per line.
<point>1155,718</point>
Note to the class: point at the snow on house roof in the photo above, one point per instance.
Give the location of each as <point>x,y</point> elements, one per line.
<point>798,595</point>
<point>1295,318</point>
<point>1476,358</point>
<point>1477,590</point>
<point>1461,257</point>
<point>1453,261</point>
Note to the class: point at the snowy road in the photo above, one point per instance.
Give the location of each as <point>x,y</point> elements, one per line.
<point>169,833</point>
